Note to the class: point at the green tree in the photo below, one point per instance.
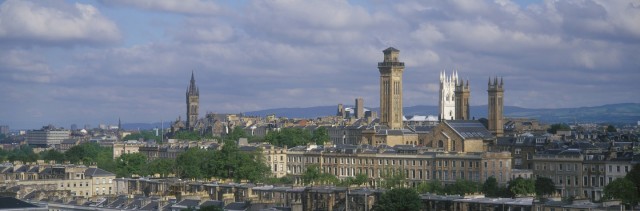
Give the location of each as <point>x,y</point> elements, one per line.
<point>83,152</point>
<point>490,187</point>
<point>392,178</point>
<point>289,137</point>
<point>320,135</point>
<point>462,187</point>
<point>162,166</point>
<point>145,135</point>
<point>634,177</point>
<point>434,186</point>
<point>52,154</point>
<point>129,164</point>
<point>361,179</point>
<point>522,187</point>
<point>191,162</point>
<point>314,175</point>
<point>611,129</point>
<point>544,186</point>
<point>236,134</point>
<point>622,189</point>
<point>398,199</point>
<point>24,153</point>
<point>555,127</point>
<point>187,135</point>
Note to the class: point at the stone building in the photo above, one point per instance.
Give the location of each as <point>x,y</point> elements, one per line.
<point>460,136</point>
<point>496,106</point>
<point>418,164</point>
<point>193,100</point>
<point>79,179</point>
<point>391,70</point>
<point>447,97</point>
<point>48,136</point>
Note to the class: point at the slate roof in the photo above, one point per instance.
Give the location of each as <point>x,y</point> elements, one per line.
<point>13,203</point>
<point>236,206</point>
<point>469,129</point>
<point>189,203</point>
<point>97,172</point>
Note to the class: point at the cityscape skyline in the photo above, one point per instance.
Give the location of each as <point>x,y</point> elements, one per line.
<point>68,62</point>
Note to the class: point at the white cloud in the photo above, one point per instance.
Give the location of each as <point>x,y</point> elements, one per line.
<point>33,22</point>
<point>198,7</point>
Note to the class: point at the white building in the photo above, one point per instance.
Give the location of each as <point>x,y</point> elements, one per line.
<point>447,95</point>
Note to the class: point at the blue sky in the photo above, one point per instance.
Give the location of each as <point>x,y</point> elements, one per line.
<point>90,62</point>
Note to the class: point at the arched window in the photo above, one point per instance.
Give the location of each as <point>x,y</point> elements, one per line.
<point>440,144</point>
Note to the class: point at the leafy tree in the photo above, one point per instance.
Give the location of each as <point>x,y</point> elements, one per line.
<point>52,154</point>
<point>289,137</point>
<point>236,134</point>
<point>24,153</point>
<point>611,129</point>
<point>462,187</point>
<point>555,127</point>
<point>286,180</point>
<point>162,166</point>
<point>360,179</point>
<point>187,135</point>
<point>128,164</point>
<point>191,162</point>
<point>522,187</point>
<point>393,178</point>
<point>83,152</point>
<point>320,136</point>
<point>490,187</point>
<point>544,186</point>
<point>314,175</point>
<point>398,199</point>
<point>144,135</point>
<point>622,189</point>
<point>433,186</point>
<point>634,177</point>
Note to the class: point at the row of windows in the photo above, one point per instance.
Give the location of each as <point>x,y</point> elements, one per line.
<point>440,163</point>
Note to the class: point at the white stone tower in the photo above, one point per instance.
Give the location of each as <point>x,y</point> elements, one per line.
<point>447,95</point>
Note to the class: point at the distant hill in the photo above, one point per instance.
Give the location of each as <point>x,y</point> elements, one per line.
<point>612,113</point>
<point>615,113</point>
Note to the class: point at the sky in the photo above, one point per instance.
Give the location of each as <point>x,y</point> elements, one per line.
<point>91,62</point>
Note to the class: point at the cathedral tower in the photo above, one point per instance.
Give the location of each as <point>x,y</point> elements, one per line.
<point>462,100</point>
<point>495,104</point>
<point>391,70</point>
<point>193,99</point>
<point>447,96</point>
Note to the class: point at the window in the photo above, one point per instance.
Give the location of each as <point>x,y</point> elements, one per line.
<point>517,151</point>
<point>626,169</point>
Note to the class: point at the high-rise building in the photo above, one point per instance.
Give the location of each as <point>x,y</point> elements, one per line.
<point>48,136</point>
<point>359,108</point>
<point>462,100</point>
<point>447,96</point>
<point>391,70</point>
<point>193,99</point>
<point>341,112</point>
<point>495,104</point>
<point>4,129</point>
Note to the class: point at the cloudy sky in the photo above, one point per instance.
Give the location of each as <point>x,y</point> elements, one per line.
<point>90,62</point>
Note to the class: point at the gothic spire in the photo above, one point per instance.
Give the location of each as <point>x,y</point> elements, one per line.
<point>193,89</point>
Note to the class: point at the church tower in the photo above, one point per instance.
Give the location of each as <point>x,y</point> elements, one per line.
<point>495,104</point>
<point>193,99</point>
<point>462,100</point>
<point>391,70</point>
<point>447,96</point>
